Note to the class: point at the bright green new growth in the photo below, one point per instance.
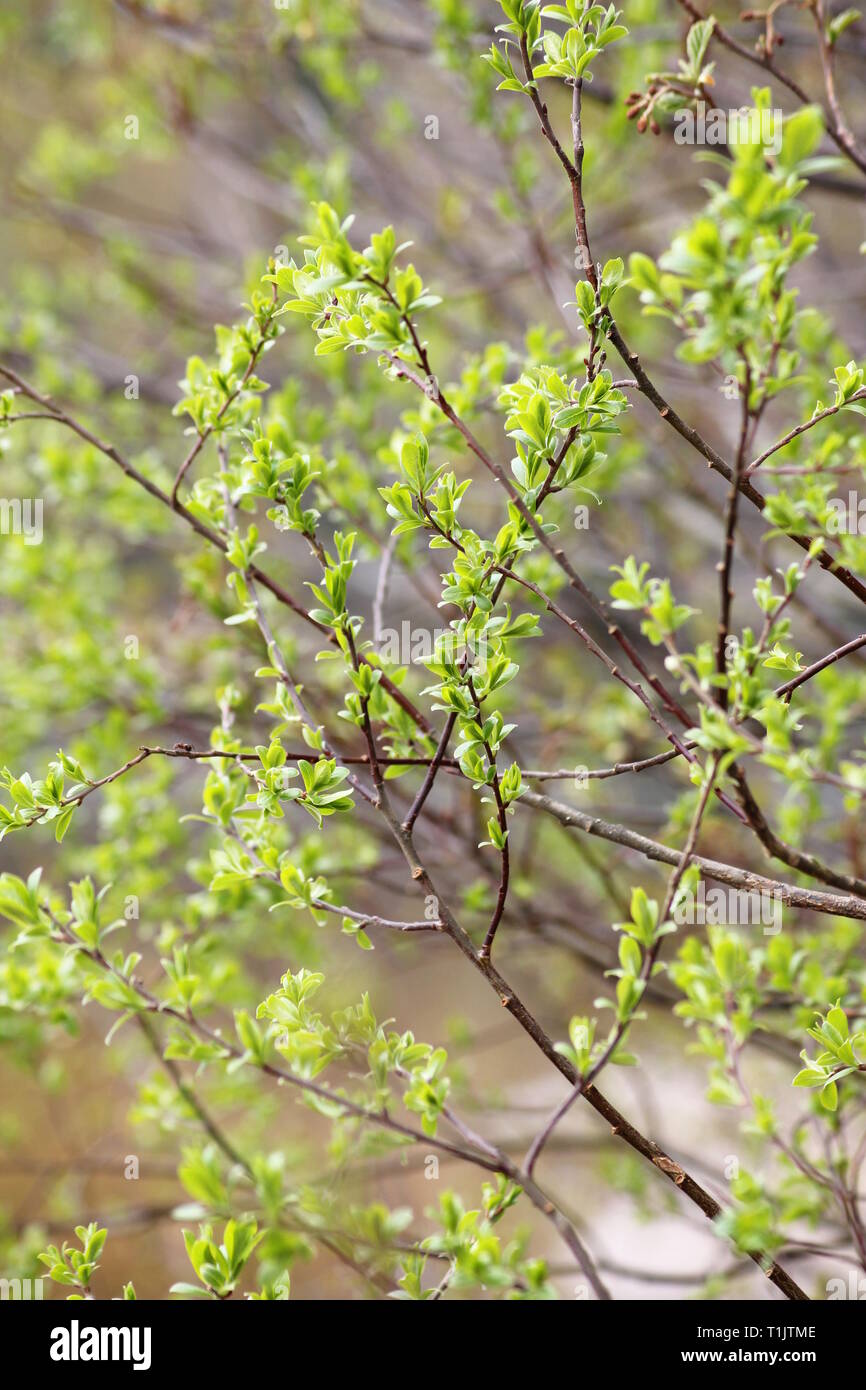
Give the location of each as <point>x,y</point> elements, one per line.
<point>363,741</point>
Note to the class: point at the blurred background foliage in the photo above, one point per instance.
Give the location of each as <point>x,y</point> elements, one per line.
<point>154,156</point>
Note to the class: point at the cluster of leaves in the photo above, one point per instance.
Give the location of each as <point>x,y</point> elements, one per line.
<point>589,30</point>
<point>74,1268</point>
<point>48,799</point>
<point>475,1254</point>
<point>841,1056</point>
<point>724,287</point>
<point>219,1267</point>
<point>723,280</point>
<point>673,91</point>
<point>638,945</point>
<point>310,1044</point>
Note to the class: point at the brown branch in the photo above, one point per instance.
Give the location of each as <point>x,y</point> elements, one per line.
<point>836,904</point>
<point>854,645</point>
<point>843,134</point>
<point>801,429</point>
<point>726,594</point>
